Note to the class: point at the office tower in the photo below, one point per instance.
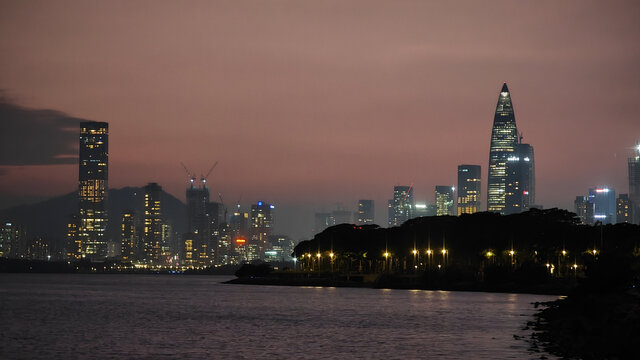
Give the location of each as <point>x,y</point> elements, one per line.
<point>584,209</point>
<point>217,221</point>
<point>13,240</point>
<point>281,247</point>
<point>128,236</point>
<point>401,206</point>
<point>92,188</point>
<point>74,244</point>
<point>634,184</point>
<point>623,209</point>
<point>468,189</point>
<point>152,222</point>
<point>342,216</point>
<point>504,137</point>
<point>366,213</point>
<point>261,224</point>
<point>38,249</point>
<point>444,200</point>
<point>520,180</point>
<point>604,204</point>
<point>198,223</point>
<point>322,221</point>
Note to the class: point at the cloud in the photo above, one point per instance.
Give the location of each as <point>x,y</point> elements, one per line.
<point>36,136</point>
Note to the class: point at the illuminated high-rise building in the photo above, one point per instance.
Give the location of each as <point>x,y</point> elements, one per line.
<point>152,222</point>
<point>634,184</point>
<point>198,224</point>
<point>128,236</point>
<point>366,213</point>
<point>401,206</point>
<point>520,180</point>
<point>444,200</point>
<point>623,209</point>
<point>504,137</point>
<point>261,224</point>
<point>13,240</point>
<point>604,204</point>
<point>92,188</point>
<point>584,209</point>
<point>469,177</point>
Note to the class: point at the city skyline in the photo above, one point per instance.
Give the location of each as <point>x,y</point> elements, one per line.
<point>307,120</point>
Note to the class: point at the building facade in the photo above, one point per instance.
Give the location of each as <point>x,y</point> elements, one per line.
<point>469,184</point>
<point>128,236</point>
<point>366,212</point>
<point>401,206</point>
<point>93,178</point>
<point>444,200</point>
<point>623,209</point>
<point>604,204</point>
<point>504,137</point>
<point>520,181</point>
<point>153,222</point>
<point>634,184</point>
<point>261,225</point>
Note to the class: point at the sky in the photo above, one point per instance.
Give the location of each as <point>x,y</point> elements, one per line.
<point>312,105</point>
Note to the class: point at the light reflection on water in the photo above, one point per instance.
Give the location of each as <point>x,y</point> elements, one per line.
<point>145,316</point>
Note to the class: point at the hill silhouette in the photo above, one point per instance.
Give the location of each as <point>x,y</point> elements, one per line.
<point>49,218</point>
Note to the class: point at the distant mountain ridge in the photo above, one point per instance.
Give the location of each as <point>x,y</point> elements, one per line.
<point>49,218</point>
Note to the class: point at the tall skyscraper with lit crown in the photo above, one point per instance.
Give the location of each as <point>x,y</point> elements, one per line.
<point>504,137</point>
<point>92,189</point>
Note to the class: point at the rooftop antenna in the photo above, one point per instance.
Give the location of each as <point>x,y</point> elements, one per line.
<point>520,136</point>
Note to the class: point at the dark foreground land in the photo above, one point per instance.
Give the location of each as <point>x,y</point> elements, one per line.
<point>600,319</point>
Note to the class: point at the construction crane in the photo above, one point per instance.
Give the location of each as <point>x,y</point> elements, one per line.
<point>204,177</point>
<point>223,207</point>
<point>192,179</point>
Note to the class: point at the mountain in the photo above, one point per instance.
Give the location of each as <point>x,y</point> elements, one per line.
<point>49,218</point>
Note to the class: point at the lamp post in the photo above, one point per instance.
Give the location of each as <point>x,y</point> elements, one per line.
<point>415,264</point>
<point>386,260</point>
<point>331,256</point>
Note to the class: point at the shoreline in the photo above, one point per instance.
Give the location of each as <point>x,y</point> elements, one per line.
<point>406,282</point>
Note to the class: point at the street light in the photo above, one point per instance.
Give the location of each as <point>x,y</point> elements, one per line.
<point>331,256</point>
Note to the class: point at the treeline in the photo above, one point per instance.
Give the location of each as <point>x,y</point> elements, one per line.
<point>547,241</point>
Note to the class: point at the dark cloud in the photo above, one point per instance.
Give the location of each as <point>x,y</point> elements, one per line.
<point>36,136</point>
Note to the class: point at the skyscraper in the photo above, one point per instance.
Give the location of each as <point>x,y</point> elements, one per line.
<point>128,235</point>
<point>198,223</point>
<point>366,212</point>
<point>634,184</point>
<point>584,209</point>
<point>623,209</point>
<point>469,189</point>
<point>504,137</point>
<point>92,188</point>
<point>152,222</point>
<point>401,206</point>
<point>604,204</point>
<point>444,200</point>
<point>261,224</point>
<point>520,180</point>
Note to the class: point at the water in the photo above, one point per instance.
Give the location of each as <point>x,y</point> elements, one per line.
<point>74,316</point>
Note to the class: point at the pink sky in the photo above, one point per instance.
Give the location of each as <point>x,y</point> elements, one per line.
<point>312,104</point>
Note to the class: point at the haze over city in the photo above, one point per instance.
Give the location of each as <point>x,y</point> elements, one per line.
<point>311,106</point>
